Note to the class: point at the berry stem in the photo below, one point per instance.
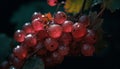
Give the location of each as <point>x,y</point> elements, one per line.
<point>101,11</point>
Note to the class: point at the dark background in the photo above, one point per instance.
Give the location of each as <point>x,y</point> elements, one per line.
<point>111,27</point>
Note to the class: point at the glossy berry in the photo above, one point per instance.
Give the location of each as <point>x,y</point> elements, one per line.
<point>57,57</point>
<point>17,63</point>
<point>37,25</point>
<point>91,37</point>
<point>84,20</point>
<point>79,30</point>
<point>63,50</point>
<point>67,26</point>
<point>66,39</point>
<point>60,17</point>
<point>30,40</point>
<point>52,2</point>
<point>41,35</point>
<point>87,50</point>
<point>19,35</point>
<point>20,52</point>
<point>51,44</point>
<point>27,27</point>
<point>54,31</point>
<point>36,15</point>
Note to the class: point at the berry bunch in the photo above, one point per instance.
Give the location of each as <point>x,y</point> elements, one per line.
<point>52,39</point>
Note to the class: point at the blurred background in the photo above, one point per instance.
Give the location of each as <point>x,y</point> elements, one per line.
<point>14,13</point>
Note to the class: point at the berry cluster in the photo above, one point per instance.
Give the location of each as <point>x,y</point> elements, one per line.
<point>52,39</point>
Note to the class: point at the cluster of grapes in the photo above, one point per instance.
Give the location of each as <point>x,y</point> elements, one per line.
<point>52,39</point>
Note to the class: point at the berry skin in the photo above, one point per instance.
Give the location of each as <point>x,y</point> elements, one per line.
<point>79,30</point>
<point>52,2</point>
<point>17,63</point>
<point>19,35</point>
<point>37,25</point>
<point>63,50</point>
<point>27,27</point>
<point>41,35</point>
<point>51,44</point>
<point>91,37</point>
<point>84,20</point>
<point>87,50</point>
<point>57,57</point>
<point>36,15</point>
<point>30,40</point>
<point>66,39</point>
<point>54,31</point>
<point>67,26</point>
<point>20,52</point>
<point>60,17</point>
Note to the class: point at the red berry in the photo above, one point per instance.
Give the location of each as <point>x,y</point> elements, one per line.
<point>57,57</point>
<point>37,25</point>
<point>36,15</point>
<point>84,20</point>
<point>19,35</point>
<point>79,30</point>
<point>51,44</point>
<point>41,35</point>
<point>63,50</point>
<point>52,2</point>
<point>20,52</point>
<point>60,17</point>
<point>67,26</point>
<point>66,38</point>
<point>87,49</point>
<point>54,31</point>
<point>91,37</point>
<point>30,40</point>
<point>28,28</point>
<point>48,61</point>
<point>17,63</point>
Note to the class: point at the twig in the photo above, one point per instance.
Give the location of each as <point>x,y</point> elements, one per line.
<point>101,11</point>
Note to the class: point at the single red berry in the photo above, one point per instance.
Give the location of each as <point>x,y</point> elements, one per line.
<point>84,20</point>
<point>57,57</point>
<point>91,37</point>
<point>60,17</point>
<point>36,15</point>
<point>27,27</point>
<point>79,30</point>
<point>30,40</point>
<point>51,44</point>
<point>63,50</point>
<point>20,52</point>
<point>41,35</point>
<point>37,25</point>
<point>52,2</point>
<point>66,38</point>
<point>54,31</point>
<point>19,35</point>
<point>17,63</point>
<point>87,49</point>
<point>67,26</point>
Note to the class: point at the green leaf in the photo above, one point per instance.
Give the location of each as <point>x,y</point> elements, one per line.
<point>4,47</point>
<point>34,63</point>
<point>112,4</point>
<point>73,6</point>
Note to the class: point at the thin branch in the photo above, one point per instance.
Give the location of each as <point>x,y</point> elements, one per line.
<point>101,11</point>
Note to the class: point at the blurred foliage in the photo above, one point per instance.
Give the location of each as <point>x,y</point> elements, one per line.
<point>5,49</point>
<point>34,63</point>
